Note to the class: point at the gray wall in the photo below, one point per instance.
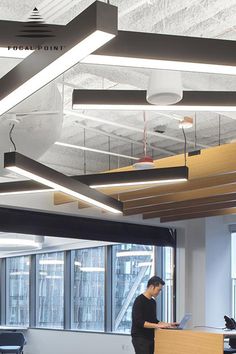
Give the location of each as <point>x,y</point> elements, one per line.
<point>60,342</point>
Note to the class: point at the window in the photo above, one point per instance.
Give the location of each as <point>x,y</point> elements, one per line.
<point>88,289</point>
<point>88,284</point>
<point>233,273</point>
<point>50,288</point>
<point>132,266</point>
<point>17,291</point>
<point>168,290</point>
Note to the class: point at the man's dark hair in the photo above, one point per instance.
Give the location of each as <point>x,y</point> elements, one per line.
<point>155,281</point>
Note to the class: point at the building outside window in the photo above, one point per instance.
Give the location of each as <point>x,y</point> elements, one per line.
<point>132,266</point>
<point>128,266</point>
<point>88,289</point>
<point>233,272</point>
<point>17,290</point>
<point>168,290</point>
<point>50,290</point>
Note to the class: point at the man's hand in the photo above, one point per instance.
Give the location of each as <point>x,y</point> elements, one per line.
<point>167,325</point>
<point>163,325</point>
<point>174,324</point>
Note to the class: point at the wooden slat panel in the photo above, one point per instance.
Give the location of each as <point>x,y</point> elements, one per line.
<point>200,193</point>
<point>61,198</point>
<point>199,215</point>
<point>183,204</point>
<point>188,342</point>
<point>190,210</point>
<point>222,160</point>
<point>196,183</point>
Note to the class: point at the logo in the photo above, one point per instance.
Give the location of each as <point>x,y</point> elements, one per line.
<point>35,27</point>
<point>36,30</point>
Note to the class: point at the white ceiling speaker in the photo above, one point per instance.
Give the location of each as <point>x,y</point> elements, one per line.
<point>164,87</point>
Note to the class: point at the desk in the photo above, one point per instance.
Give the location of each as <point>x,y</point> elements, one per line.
<point>191,342</point>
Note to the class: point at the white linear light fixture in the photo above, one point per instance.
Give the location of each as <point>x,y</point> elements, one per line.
<point>104,180</point>
<point>84,148</point>
<point>23,187</point>
<point>14,54</point>
<point>195,101</point>
<point>167,52</point>
<point>136,177</point>
<point>29,168</point>
<point>91,29</point>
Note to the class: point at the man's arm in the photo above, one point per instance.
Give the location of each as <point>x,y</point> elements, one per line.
<point>157,325</point>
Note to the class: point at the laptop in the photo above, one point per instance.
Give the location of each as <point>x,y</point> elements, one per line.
<point>183,322</point>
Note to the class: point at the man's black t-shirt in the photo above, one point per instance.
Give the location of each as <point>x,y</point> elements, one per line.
<point>144,310</point>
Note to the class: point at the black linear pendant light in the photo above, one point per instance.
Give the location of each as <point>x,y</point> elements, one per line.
<point>136,178</point>
<point>88,31</point>
<point>104,180</point>
<point>31,169</point>
<point>168,52</point>
<point>136,100</point>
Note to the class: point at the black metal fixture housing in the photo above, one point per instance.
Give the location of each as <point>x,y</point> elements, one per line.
<point>91,29</point>
<point>167,52</point>
<point>136,178</point>
<point>40,173</point>
<point>104,180</point>
<point>136,100</point>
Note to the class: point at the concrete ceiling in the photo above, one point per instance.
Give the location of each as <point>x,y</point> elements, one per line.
<point>121,132</point>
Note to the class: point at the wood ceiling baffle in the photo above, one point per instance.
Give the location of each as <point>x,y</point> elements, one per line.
<point>210,190</point>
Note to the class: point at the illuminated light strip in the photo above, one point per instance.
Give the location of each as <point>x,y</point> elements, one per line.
<point>51,262</point>
<point>168,52</point>
<point>92,269</point>
<point>31,169</point>
<point>27,192</point>
<point>134,253</point>
<point>136,177</point>
<point>18,242</point>
<point>154,108</point>
<point>159,64</point>
<point>15,54</point>
<point>53,70</point>
<point>136,100</point>
<point>174,180</point>
<point>84,148</point>
<point>100,22</point>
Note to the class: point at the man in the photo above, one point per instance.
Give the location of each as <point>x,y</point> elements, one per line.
<point>144,320</point>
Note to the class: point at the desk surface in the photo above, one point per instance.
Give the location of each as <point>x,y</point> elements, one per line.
<point>226,333</point>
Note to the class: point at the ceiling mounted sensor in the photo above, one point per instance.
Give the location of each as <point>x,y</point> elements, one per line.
<point>167,52</point>
<point>202,101</point>
<point>17,242</point>
<point>186,123</point>
<point>164,87</point>
<point>31,169</point>
<point>94,27</point>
